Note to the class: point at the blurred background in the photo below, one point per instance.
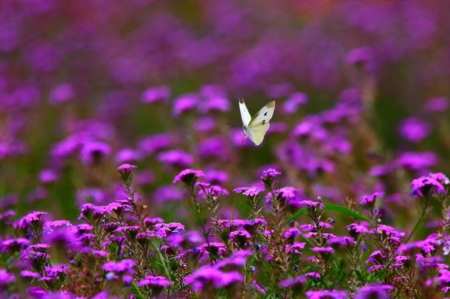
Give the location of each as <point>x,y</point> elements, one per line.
<point>88,85</point>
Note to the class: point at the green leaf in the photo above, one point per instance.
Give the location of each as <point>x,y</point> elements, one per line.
<point>297,214</point>
<point>344,210</point>
<point>333,208</point>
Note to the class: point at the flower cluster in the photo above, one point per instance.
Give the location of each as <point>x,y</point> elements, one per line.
<point>122,176</point>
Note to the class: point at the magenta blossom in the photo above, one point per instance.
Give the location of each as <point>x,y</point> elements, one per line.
<point>188,176</point>
<point>249,191</point>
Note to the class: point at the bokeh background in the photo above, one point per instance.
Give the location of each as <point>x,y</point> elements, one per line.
<point>88,85</point>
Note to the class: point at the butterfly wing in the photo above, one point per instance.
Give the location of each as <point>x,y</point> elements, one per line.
<point>256,132</point>
<point>245,115</point>
<point>259,124</point>
<point>264,115</point>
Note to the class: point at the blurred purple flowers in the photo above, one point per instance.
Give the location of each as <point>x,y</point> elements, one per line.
<point>120,141</point>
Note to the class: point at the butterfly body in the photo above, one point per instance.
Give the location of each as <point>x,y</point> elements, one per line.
<point>256,127</point>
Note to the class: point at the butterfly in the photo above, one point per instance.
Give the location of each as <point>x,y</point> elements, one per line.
<point>256,127</point>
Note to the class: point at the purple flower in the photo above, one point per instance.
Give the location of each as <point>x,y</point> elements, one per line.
<point>214,147</point>
<point>313,275</point>
<point>291,233</point>
<point>426,246</point>
<point>311,204</point>
<point>288,194</point>
<point>358,228</point>
<point>216,177</point>
<point>431,262</point>
<point>269,174</point>
<point>362,57</point>
<point>381,170</point>
<point>350,97</point>
<point>325,294</point>
<point>167,193</point>
<point>426,186</point>
<point>248,191</point>
<point>125,171</point>
<point>128,229</point>
<point>56,270</point>
<point>372,292</point>
<point>89,210</point>
<point>66,147</point>
<point>278,127</point>
<point>214,100</point>
<point>213,191</point>
<point>176,158</point>
<point>369,200</point>
<point>145,177</point>
<point>155,94</point>
<point>342,241</point>
<point>127,155</point>
<point>205,124</point>
<point>399,261</point>
<point>7,215</point>
<point>213,248</point>
<point>313,227</point>
<point>417,161</point>
<point>165,229</point>
<point>96,195</point>
<point>310,126</point>
<point>155,281</point>
<point>93,152</point>
<point>125,266</point>
<point>154,143</point>
<point>102,295</point>
<point>62,93</point>
<point>437,104</point>
<point>14,245</point>
<point>440,177</point>
<point>210,276</point>
<point>295,248</point>
<point>326,250</point>
<point>290,106</point>
<point>236,260</point>
<point>240,237</point>
<point>30,219</point>
<point>393,234</point>
<point>414,130</point>
<point>293,283</point>
<point>278,90</point>
<point>48,176</point>
<point>29,274</point>
<point>5,277</point>
<point>185,239</point>
<point>57,224</point>
<point>150,222</point>
<point>314,235</point>
<point>189,176</point>
<point>34,254</point>
<point>184,103</point>
<point>36,292</point>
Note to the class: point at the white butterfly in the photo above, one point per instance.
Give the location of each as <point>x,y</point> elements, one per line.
<point>256,127</point>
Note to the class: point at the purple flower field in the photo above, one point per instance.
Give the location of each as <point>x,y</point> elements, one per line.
<point>125,171</point>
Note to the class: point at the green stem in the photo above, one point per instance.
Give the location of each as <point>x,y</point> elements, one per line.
<point>419,221</point>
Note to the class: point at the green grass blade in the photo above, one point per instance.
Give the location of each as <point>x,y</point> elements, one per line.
<point>344,210</point>
<point>297,214</point>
